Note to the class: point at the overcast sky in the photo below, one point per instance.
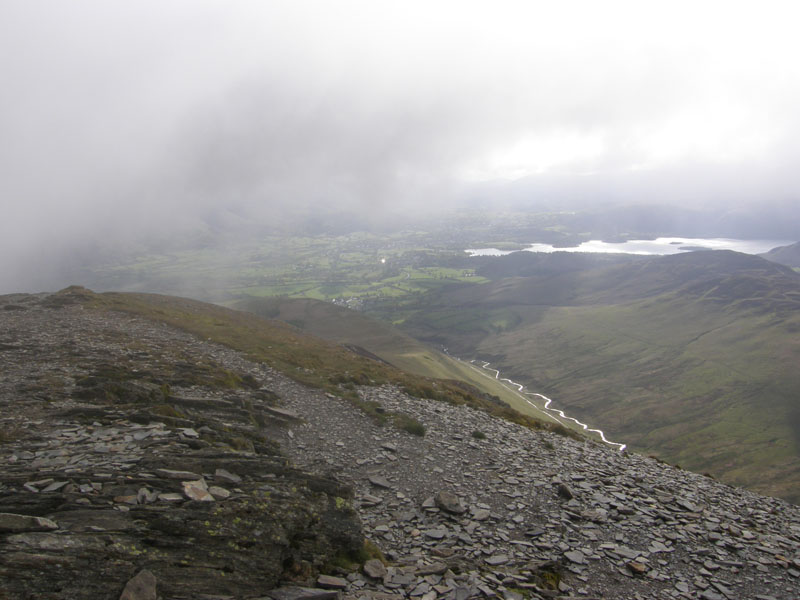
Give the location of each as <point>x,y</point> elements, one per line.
<point>125,116</point>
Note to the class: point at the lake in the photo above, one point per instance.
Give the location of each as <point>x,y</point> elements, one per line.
<point>663,245</point>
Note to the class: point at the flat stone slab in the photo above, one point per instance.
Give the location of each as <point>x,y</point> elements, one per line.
<point>437,568</point>
<point>374,568</point>
<point>435,534</point>
<point>197,490</point>
<point>171,474</point>
<point>140,587</point>
<point>281,413</point>
<point>329,582</point>
<point>449,502</point>
<point>380,482</point>
<point>11,522</point>
<point>227,475</point>
<point>302,593</point>
<point>575,556</point>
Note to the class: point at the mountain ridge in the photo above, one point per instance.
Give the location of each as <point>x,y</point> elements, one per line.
<point>138,455</point>
<point>785,255</point>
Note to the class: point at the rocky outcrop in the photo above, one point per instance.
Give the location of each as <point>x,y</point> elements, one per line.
<point>544,515</point>
<point>126,476</point>
<point>112,483</point>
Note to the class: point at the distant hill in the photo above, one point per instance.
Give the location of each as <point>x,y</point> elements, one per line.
<point>785,255</point>
<point>692,357</point>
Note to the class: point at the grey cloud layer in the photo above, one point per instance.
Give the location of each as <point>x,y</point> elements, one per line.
<point>121,119</point>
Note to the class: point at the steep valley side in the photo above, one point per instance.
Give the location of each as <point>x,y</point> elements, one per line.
<point>692,358</point>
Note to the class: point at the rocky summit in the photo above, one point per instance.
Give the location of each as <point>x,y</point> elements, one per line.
<point>140,462</point>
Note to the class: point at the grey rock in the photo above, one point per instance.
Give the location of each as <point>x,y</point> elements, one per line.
<point>281,413</point>
<point>575,556</point>
<point>449,502</point>
<point>374,568</point>
<point>329,582</point>
<point>14,523</point>
<point>564,491</point>
<point>218,493</point>
<point>227,475</point>
<point>141,587</point>
<point>437,568</point>
<point>172,474</point>
<point>197,490</point>
<point>480,514</point>
<point>55,486</point>
<point>637,568</point>
<point>380,482</point>
<point>435,534</point>
<point>170,497</point>
<point>302,593</point>
<point>370,500</point>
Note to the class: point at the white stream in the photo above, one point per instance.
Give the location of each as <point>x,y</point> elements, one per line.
<point>546,409</point>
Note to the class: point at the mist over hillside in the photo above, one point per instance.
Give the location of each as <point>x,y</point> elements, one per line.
<point>139,131</point>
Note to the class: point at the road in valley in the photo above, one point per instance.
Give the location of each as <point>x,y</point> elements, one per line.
<point>546,409</point>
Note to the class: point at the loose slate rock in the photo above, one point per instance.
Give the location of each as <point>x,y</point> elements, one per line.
<point>637,568</point>
<point>374,568</point>
<point>197,490</point>
<point>11,522</point>
<point>437,568</point>
<point>171,474</point>
<point>380,482</point>
<point>140,587</point>
<point>218,493</point>
<point>329,582</point>
<point>224,474</point>
<point>435,534</point>
<point>564,491</point>
<point>449,502</point>
<point>480,515</point>
<point>575,556</point>
<point>302,593</point>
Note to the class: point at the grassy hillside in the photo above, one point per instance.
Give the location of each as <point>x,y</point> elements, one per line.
<point>785,255</point>
<point>345,326</point>
<point>303,357</point>
<point>691,357</point>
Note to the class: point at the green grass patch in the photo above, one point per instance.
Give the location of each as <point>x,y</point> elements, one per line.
<point>409,424</point>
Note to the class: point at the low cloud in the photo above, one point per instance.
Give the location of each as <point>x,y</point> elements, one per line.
<point>125,123</point>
